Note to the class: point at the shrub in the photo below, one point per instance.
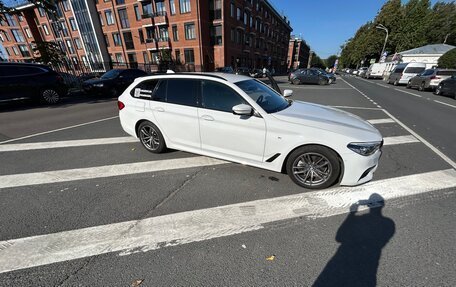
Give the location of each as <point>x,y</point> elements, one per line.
<point>448,60</point>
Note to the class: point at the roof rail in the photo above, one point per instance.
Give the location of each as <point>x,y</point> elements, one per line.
<point>193,74</point>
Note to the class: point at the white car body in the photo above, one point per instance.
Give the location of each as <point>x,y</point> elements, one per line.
<point>376,70</point>
<point>255,139</point>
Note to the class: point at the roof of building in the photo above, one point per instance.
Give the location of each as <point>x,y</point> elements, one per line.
<point>438,49</point>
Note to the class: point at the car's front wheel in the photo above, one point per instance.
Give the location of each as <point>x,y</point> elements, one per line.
<point>409,85</point>
<point>151,137</point>
<point>50,96</point>
<point>322,82</point>
<point>296,81</point>
<point>313,167</point>
<point>422,87</point>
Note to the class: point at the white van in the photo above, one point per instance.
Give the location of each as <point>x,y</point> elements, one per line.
<point>375,71</point>
<point>404,72</point>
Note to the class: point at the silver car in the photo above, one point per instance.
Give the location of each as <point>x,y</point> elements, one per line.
<point>430,79</point>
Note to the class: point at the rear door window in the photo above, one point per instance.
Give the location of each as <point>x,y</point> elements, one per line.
<point>144,90</point>
<point>414,70</point>
<point>446,73</point>
<point>398,70</point>
<point>182,91</point>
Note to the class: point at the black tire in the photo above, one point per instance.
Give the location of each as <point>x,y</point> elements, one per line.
<point>438,90</point>
<point>322,82</point>
<point>296,81</point>
<point>409,85</point>
<point>113,92</point>
<point>421,87</point>
<point>307,160</point>
<point>49,96</point>
<point>396,82</point>
<point>151,137</point>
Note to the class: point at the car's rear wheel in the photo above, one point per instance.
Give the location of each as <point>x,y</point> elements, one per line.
<point>151,137</point>
<point>295,81</point>
<point>409,85</point>
<point>421,87</point>
<point>396,82</point>
<point>322,82</point>
<point>50,96</point>
<point>438,90</point>
<point>313,167</point>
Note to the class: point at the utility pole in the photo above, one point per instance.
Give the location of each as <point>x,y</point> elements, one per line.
<point>381,27</point>
<point>446,38</point>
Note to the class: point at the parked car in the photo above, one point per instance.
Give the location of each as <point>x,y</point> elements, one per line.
<point>228,70</point>
<point>375,71</point>
<point>430,79</point>
<point>308,76</point>
<point>243,71</point>
<point>317,146</point>
<point>331,76</point>
<point>402,73</point>
<point>447,87</point>
<point>33,81</point>
<point>362,71</point>
<point>113,82</point>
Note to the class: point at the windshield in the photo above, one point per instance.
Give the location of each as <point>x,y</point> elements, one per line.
<point>264,96</point>
<point>111,74</point>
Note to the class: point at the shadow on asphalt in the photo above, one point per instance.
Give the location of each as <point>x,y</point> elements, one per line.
<point>362,238</point>
<point>28,104</point>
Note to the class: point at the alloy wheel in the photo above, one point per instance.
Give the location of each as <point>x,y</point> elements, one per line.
<point>149,137</point>
<point>50,96</point>
<point>312,169</point>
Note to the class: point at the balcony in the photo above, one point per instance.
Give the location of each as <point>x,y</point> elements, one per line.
<point>158,43</point>
<point>157,18</point>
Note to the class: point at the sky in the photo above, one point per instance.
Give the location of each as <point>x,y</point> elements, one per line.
<point>326,25</point>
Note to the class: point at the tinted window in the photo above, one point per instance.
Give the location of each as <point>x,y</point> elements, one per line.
<point>160,92</point>
<point>446,73</point>
<point>21,71</point>
<point>427,73</point>
<point>111,74</point>
<point>398,70</point>
<point>217,96</point>
<point>182,92</point>
<point>133,73</point>
<point>145,89</point>
<point>414,70</point>
<point>264,96</point>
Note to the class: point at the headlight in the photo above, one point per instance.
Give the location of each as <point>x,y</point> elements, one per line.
<point>365,148</point>
<point>99,85</point>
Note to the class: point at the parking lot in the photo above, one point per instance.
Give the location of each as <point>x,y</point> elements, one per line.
<point>84,204</point>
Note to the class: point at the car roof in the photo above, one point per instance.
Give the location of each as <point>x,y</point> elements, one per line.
<point>24,64</point>
<point>232,78</point>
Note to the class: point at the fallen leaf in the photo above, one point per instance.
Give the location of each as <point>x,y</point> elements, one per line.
<point>243,246</point>
<point>270,258</point>
<point>136,282</point>
<point>133,149</point>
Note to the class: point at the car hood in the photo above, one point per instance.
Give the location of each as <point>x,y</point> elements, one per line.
<point>95,81</point>
<point>330,119</point>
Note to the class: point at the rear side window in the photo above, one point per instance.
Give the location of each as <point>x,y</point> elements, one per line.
<point>181,91</point>
<point>427,72</point>
<point>414,70</point>
<point>144,90</point>
<point>217,96</point>
<point>446,73</point>
<point>398,70</point>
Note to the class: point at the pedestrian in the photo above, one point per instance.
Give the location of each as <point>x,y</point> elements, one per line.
<point>264,72</point>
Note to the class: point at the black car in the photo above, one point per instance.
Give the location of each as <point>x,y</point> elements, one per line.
<point>331,76</point>
<point>447,87</point>
<point>308,76</point>
<point>243,71</point>
<point>113,82</point>
<point>33,81</point>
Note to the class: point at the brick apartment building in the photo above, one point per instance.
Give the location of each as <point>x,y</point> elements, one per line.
<point>298,53</point>
<point>200,34</point>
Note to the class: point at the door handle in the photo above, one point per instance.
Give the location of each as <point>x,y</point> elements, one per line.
<point>159,109</point>
<point>207,118</point>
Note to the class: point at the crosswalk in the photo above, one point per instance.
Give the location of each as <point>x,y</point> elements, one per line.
<point>153,232</point>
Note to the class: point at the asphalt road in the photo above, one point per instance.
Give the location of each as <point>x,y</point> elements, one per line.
<point>176,219</point>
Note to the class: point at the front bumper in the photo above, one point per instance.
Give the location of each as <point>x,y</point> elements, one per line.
<point>359,169</point>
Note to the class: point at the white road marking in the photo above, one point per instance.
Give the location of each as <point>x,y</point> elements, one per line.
<point>445,104</point>
<point>70,143</point>
<point>199,225</point>
<point>381,85</point>
<point>363,94</point>
<point>409,93</point>
<point>400,140</point>
<point>57,130</point>
<point>378,121</point>
<point>46,177</point>
<point>429,145</point>
<point>359,108</point>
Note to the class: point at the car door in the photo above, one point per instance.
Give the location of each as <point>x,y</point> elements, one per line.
<point>16,82</point>
<point>174,106</point>
<point>313,76</point>
<point>224,133</point>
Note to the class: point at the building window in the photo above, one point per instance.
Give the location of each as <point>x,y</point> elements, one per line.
<point>66,5</point>
<point>137,13</point>
<point>123,18</point>
<point>146,57</point>
<point>10,20</point>
<point>246,18</point>
<point>119,58</point>
<point>41,12</point>
<point>147,8</point>
<point>215,9</point>
<point>27,32</point>
<point>24,50</point>
<point>190,31</point>
<point>70,46</point>
<point>233,35</point>
<point>160,6</point>
<point>15,50</point>
<point>8,51</point>
<point>116,39</point>
<point>216,35</point>
<point>141,36</point>
<point>178,55</point>
<point>21,18</point>
<point>17,35</point>
<point>172,6</point>
<point>128,40</point>
<point>106,40</point>
<point>189,56</point>
<point>120,2</point>
<point>109,18</point>
<point>45,29</point>
<point>101,18</point>
<point>175,34</point>
<point>184,6</point>
<point>73,24</point>
<point>232,10</point>
<point>77,41</point>
<point>238,14</point>
<point>1,37</point>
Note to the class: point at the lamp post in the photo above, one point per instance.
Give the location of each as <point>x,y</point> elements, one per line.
<point>381,27</point>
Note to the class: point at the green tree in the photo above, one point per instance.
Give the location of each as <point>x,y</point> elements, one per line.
<point>50,53</point>
<point>330,61</point>
<point>448,60</point>
<point>390,16</point>
<point>414,25</point>
<point>442,24</point>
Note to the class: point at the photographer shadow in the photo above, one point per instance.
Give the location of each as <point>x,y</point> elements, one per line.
<point>362,238</point>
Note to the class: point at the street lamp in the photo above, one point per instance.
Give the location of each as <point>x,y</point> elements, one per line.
<point>381,27</point>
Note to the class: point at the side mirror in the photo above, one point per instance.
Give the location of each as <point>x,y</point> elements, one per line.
<point>242,110</point>
<point>287,93</point>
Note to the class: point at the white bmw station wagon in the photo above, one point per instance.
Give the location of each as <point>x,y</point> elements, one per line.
<point>243,120</point>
